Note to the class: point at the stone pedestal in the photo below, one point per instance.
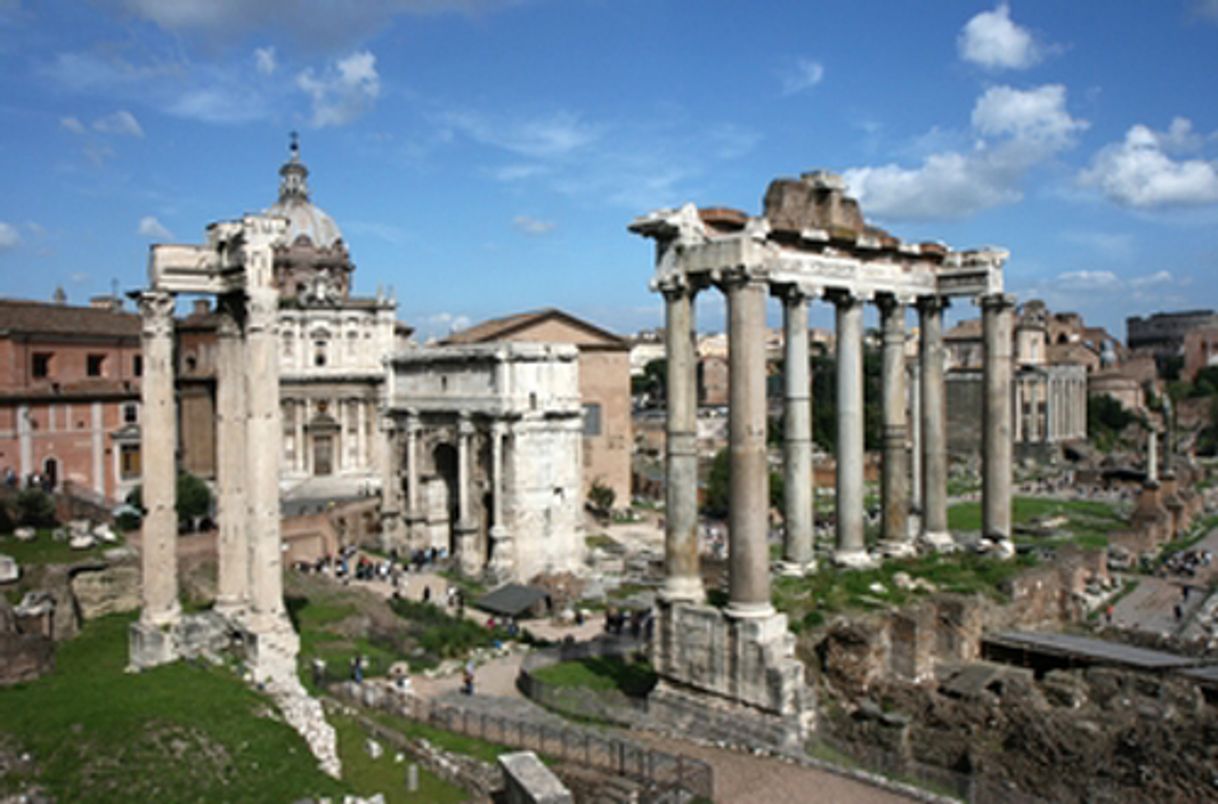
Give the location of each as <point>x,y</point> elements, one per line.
<point>150,645</point>
<point>745,669</point>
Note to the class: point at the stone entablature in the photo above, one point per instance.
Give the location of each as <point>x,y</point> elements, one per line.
<point>485,457</point>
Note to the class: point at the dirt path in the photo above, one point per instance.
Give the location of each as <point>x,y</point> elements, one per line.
<point>746,779</point>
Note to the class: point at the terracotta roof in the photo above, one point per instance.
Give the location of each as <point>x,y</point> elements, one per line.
<point>41,318</point>
<point>500,328</point>
<point>967,330</point>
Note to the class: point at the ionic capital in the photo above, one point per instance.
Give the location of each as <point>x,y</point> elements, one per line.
<point>845,299</point>
<point>793,293</point>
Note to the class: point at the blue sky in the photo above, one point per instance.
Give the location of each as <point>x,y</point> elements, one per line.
<point>485,157</point>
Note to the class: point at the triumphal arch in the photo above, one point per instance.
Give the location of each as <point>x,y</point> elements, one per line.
<point>810,243</point>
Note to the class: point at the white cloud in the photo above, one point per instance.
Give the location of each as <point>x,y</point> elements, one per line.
<point>343,92</point>
<point>517,172</point>
<point>264,60</point>
<point>1088,280</point>
<point>120,122</point>
<point>1138,172</point>
<point>438,325</point>
<point>547,136</point>
<point>1034,116</point>
<point>533,226</point>
<point>1016,130</point>
<point>1109,244</point>
<point>151,227</point>
<point>79,278</point>
<point>1207,9</point>
<point>72,124</point>
<point>803,74</point>
<point>9,236</point>
<point>993,41</point>
<point>316,22</point>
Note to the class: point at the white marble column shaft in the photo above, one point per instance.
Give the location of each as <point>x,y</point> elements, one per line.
<point>232,441</point>
<point>996,315</point>
<point>894,480</point>
<point>851,549</point>
<point>158,440</point>
<point>798,516</point>
<point>934,426</point>
<point>682,577</point>
<point>264,431</point>
<point>749,504</point>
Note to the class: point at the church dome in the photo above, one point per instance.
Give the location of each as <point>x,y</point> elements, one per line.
<point>305,220</point>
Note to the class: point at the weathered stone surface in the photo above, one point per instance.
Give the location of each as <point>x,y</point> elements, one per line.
<point>25,534</point>
<point>106,591</point>
<point>816,200</point>
<point>528,781</point>
<point>10,570</point>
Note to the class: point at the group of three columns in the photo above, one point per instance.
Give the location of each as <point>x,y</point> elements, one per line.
<point>749,565</point>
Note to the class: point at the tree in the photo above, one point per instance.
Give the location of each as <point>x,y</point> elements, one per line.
<point>601,497</point>
<point>194,498</point>
<point>653,381</point>
<point>36,508</point>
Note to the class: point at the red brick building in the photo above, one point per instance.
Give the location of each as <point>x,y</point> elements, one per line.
<point>70,393</point>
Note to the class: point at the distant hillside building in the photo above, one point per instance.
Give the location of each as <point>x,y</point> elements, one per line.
<point>70,394</point>
<point>1163,333</point>
<point>1049,382</point>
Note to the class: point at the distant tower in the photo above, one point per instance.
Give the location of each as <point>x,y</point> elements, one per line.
<point>59,296</point>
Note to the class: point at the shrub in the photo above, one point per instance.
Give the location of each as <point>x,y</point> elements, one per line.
<point>36,508</point>
<point>601,497</point>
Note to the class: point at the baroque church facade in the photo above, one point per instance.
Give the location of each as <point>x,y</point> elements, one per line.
<point>332,348</point>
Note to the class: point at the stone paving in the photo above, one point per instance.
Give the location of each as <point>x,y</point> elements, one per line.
<point>1150,607</point>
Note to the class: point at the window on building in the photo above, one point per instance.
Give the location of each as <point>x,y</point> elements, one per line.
<point>41,364</point>
<point>319,353</point>
<point>592,419</point>
<point>131,413</point>
<point>94,364</point>
<point>137,365</point>
<point>129,461</point>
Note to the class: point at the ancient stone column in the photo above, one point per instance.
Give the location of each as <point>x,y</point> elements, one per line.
<point>301,413</point>
<point>1152,457</point>
<point>934,430</point>
<point>412,463</point>
<point>894,480</point>
<point>467,547</point>
<point>915,450</point>
<point>263,450</point>
<point>996,418</point>
<point>851,550</point>
<point>158,437</point>
<point>748,517</point>
<point>503,558</point>
<point>393,531</point>
<point>233,558</point>
<point>682,579</point>
<point>797,549</point>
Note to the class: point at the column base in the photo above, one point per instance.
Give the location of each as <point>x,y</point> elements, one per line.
<point>503,559</point>
<point>903,549</point>
<point>937,542</point>
<point>748,611</point>
<point>997,547</point>
<point>797,569</point>
<point>467,556</point>
<point>854,559</point>
<point>235,609</point>
<point>734,679</point>
<point>150,645</point>
<point>683,589</point>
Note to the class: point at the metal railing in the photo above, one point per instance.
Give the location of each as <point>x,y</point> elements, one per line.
<point>658,773</point>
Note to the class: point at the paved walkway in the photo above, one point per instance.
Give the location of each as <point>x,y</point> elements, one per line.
<point>1151,607</point>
